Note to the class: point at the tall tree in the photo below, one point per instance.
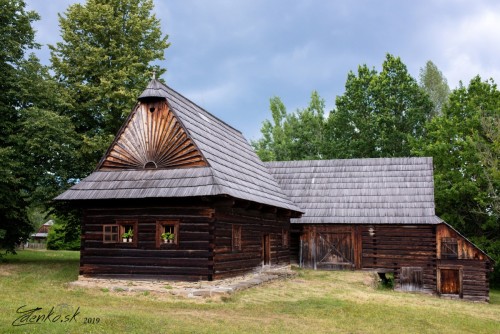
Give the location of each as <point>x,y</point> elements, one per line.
<point>351,126</point>
<point>464,144</point>
<point>378,113</point>
<point>105,60</point>
<point>435,84</point>
<point>293,136</point>
<point>16,37</point>
<point>45,141</point>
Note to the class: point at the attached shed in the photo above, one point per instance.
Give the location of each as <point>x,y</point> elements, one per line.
<point>180,194</point>
<point>378,214</point>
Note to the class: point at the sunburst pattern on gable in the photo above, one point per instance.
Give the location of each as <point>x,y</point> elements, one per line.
<point>152,138</point>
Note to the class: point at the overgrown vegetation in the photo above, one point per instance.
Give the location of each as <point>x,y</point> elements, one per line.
<point>313,302</point>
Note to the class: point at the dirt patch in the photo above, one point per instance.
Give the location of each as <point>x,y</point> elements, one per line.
<point>8,269</point>
<point>200,289</point>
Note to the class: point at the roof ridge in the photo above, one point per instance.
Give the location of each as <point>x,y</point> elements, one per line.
<point>194,103</point>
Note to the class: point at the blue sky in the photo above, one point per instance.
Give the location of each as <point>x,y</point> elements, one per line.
<point>232,56</point>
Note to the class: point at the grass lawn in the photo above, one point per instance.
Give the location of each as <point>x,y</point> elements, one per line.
<point>313,302</point>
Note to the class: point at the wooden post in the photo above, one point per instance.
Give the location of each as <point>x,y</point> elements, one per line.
<point>313,248</point>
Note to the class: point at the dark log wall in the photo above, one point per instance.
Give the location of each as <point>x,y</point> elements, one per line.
<point>204,250</point>
<point>254,225</point>
<point>191,259</point>
<point>394,247</point>
<point>411,252</point>
<point>295,233</point>
<point>473,282</point>
<point>385,248</point>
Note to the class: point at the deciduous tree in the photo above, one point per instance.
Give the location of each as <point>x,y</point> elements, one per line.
<point>293,136</point>
<point>16,37</point>
<point>105,60</point>
<point>378,113</point>
<point>435,84</point>
<point>464,142</point>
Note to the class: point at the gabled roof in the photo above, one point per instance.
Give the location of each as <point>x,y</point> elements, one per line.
<point>360,191</point>
<point>227,163</point>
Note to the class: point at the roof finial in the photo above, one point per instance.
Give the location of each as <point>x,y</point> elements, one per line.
<point>154,74</point>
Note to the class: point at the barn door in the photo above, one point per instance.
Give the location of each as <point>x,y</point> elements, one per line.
<point>411,278</point>
<point>450,281</point>
<point>334,251</point>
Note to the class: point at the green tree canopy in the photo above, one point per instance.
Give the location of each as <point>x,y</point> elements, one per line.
<point>16,37</point>
<point>457,140</point>
<point>378,113</point>
<point>465,145</point>
<point>295,136</point>
<point>375,117</point>
<point>105,60</point>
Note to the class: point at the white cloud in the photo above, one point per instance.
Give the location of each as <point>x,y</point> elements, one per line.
<point>470,45</point>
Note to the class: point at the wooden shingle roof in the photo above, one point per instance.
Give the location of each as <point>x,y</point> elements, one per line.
<point>360,191</point>
<point>232,168</point>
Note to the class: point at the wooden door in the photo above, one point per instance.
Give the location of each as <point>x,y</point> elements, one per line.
<point>266,250</point>
<point>411,278</point>
<point>450,281</point>
<point>334,251</point>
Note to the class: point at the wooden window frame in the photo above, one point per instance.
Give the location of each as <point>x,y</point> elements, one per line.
<point>160,229</point>
<point>110,230</point>
<point>449,248</point>
<point>120,227</point>
<point>236,238</point>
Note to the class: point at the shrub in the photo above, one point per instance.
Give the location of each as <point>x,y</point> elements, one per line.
<point>63,237</point>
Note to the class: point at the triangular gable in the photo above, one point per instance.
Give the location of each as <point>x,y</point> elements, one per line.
<point>152,138</point>
<point>173,134</point>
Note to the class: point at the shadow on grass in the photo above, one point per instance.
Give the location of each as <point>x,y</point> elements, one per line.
<point>495,296</point>
<point>55,266</point>
<point>41,256</point>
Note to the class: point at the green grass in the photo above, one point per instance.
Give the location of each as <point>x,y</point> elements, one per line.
<point>313,302</point>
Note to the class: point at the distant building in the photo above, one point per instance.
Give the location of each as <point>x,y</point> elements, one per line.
<point>41,235</point>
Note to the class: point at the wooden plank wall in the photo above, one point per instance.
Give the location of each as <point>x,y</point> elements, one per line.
<point>474,265</point>
<point>475,280</point>
<point>466,250</point>
<point>191,259</point>
<point>254,224</point>
<point>392,247</point>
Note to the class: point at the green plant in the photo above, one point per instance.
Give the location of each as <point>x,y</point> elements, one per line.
<point>167,236</point>
<point>129,234</point>
<point>63,237</point>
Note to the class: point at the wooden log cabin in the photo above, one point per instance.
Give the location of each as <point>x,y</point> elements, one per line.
<point>180,195</point>
<point>378,214</point>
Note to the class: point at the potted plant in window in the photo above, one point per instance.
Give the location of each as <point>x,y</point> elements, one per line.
<point>167,237</point>
<point>127,236</point>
